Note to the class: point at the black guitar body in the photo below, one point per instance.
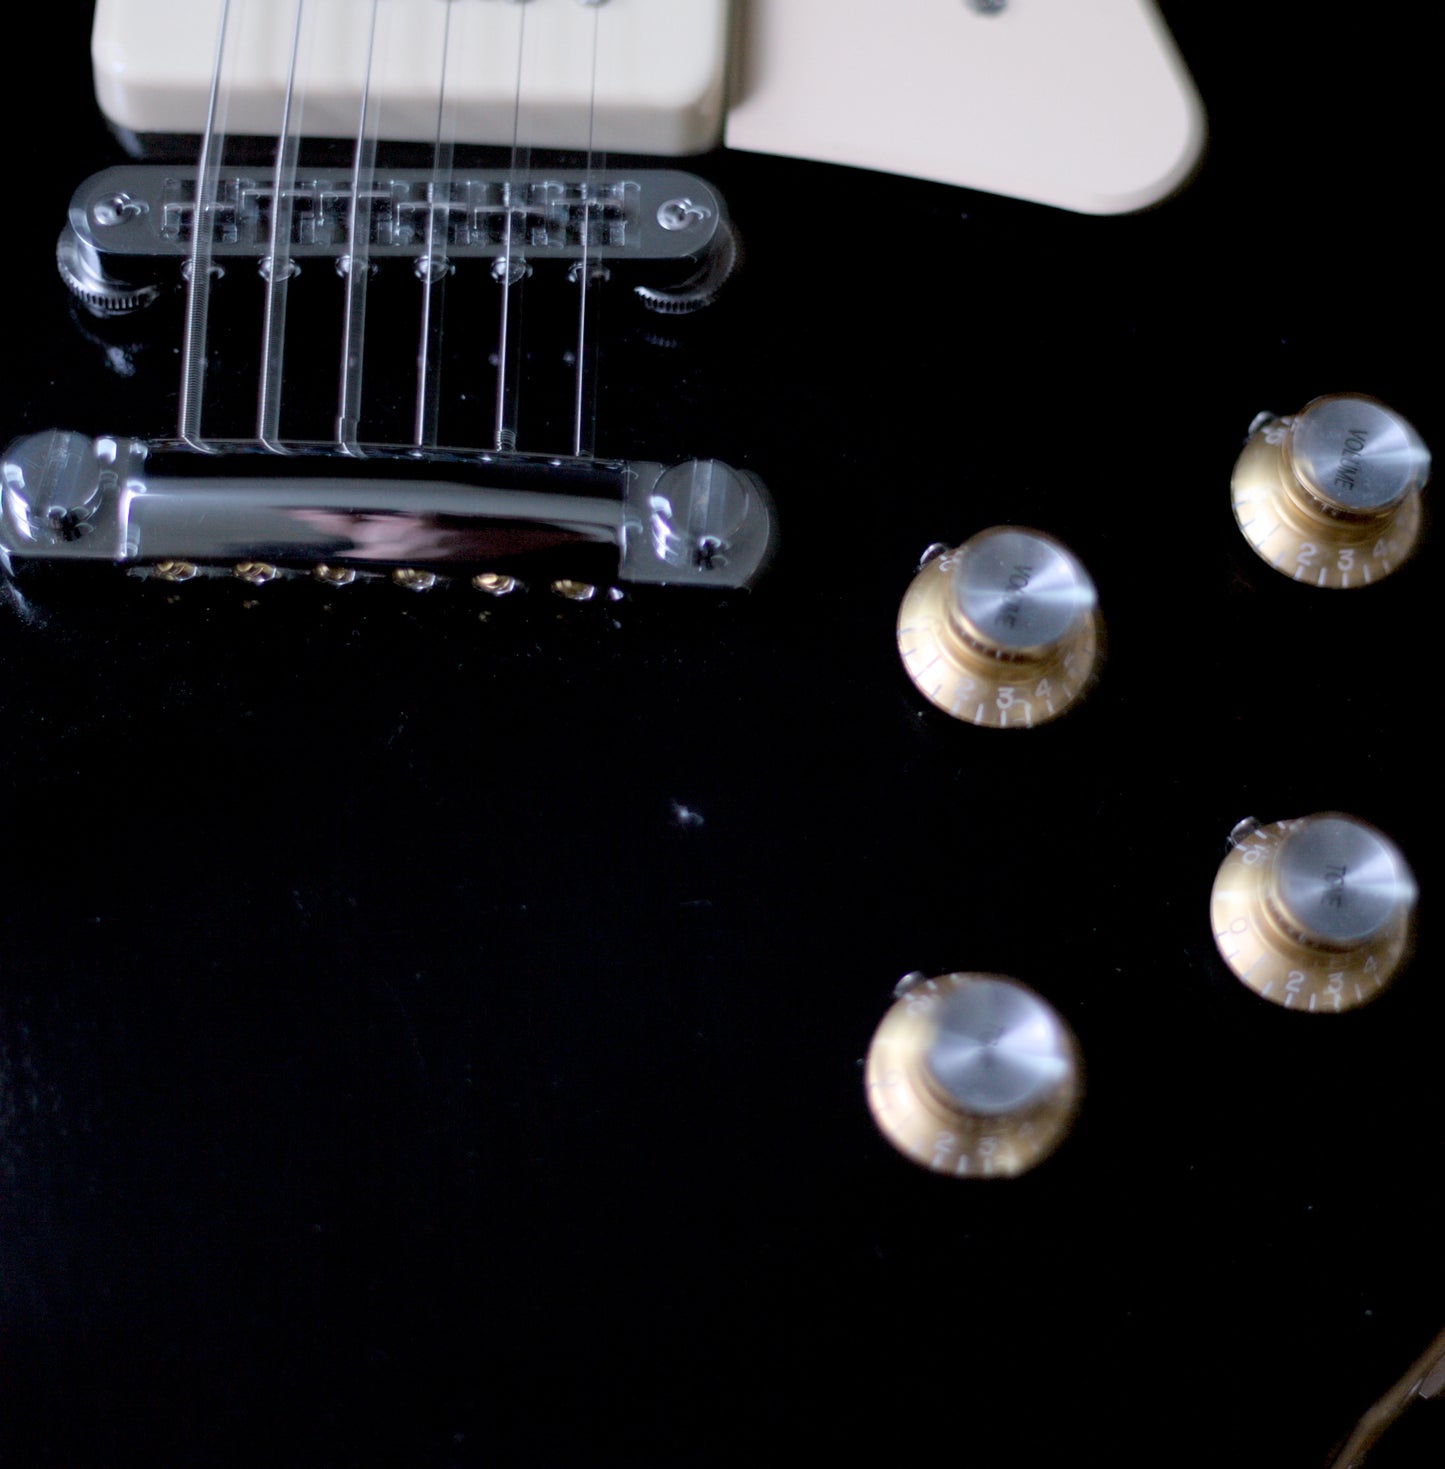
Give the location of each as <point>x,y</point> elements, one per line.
<point>431,1029</point>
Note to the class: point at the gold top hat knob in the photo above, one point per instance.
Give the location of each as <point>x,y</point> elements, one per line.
<point>1331,496</point>
<point>973,1075</point>
<point>1004,631</point>
<point>1313,914</point>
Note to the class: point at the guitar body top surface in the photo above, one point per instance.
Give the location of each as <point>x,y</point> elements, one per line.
<point>434,1019</point>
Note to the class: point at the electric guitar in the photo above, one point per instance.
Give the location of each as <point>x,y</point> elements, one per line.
<point>432,1026</point>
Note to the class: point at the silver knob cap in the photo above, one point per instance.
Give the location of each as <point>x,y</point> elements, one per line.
<point>1019,593</point>
<point>1340,883</point>
<point>1357,455</point>
<point>998,1048</point>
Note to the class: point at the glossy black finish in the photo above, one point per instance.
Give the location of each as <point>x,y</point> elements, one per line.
<point>435,1041</point>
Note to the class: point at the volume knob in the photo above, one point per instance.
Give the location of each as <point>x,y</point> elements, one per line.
<point>1314,914</point>
<point>1331,496</point>
<point>1004,631</point>
<point>973,1075</point>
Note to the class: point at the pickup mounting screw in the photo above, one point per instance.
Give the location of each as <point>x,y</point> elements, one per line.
<point>680,214</point>
<point>116,209</point>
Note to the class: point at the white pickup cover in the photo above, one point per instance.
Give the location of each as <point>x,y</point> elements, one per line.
<point>660,75</point>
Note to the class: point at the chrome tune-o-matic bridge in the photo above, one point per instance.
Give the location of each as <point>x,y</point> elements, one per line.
<point>418,520</point>
<point>129,226</point>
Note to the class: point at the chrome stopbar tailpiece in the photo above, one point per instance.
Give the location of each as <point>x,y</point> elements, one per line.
<point>129,227</point>
<point>68,498</point>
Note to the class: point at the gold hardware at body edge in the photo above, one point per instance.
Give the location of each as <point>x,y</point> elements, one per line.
<point>1330,497</point>
<point>1423,1380</point>
<point>1004,631</point>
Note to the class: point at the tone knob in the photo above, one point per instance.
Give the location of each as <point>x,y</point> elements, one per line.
<point>1331,496</point>
<point>1314,914</point>
<point>1004,631</point>
<point>973,1075</point>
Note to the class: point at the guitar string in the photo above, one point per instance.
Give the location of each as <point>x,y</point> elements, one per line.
<point>357,261</point>
<point>277,267</point>
<point>198,282</point>
<point>583,424</point>
<point>433,264</point>
<point>508,387</point>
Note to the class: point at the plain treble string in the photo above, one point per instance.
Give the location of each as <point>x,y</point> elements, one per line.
<point>199,260</point>
<point>356,262</point>
<point>511,268</point>
<point>277,267</point>
<point>583,420</point>
<point>433,265</point>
